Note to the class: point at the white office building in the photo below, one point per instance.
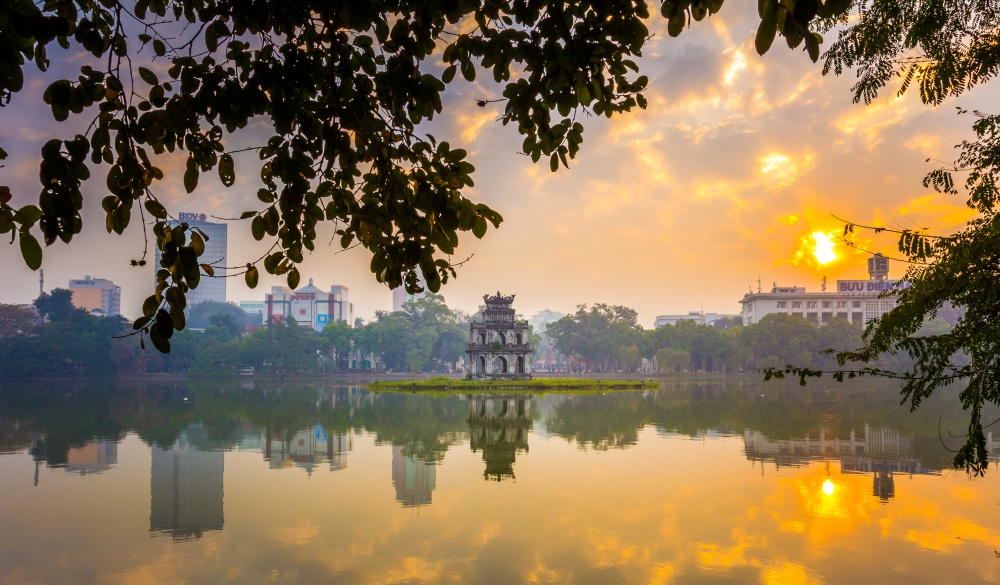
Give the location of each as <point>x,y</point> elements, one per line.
<point>857,301</point>
<point>698,317</point>
<point>209,288</point>
<point>309,306</point>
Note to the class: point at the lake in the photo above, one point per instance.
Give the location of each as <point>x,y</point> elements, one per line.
<point>254,481</point>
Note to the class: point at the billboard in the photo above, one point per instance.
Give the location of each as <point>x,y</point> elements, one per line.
<point>321,321</point>
<point>870,286</point>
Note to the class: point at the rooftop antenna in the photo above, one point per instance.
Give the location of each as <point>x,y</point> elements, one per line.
<point>758,284</point>
<point>41,282</point>
<point>823,286</point>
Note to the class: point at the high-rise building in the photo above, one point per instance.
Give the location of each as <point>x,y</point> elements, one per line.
<point>186,490</point>
<point>209,288</point>
<point>98,296</point>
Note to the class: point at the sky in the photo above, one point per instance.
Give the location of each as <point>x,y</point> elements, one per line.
<point>735,174</point>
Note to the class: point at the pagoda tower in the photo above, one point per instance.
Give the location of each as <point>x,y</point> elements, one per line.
<point>498,346</point>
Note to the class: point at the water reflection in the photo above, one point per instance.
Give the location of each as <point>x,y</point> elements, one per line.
<point>879,452</point>
<point>307,449</point>
<point>691,483</point>
<point>94,457</point>
<point>186,488</point>
<point>413,478</point>
<point>498,426</point>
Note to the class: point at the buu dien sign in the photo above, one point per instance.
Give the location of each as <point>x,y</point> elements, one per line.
<point>870,286</point>
<point>191,216</point>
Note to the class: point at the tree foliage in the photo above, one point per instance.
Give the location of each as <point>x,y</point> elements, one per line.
<point>342,87</point>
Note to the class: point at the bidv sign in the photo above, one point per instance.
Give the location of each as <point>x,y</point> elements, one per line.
<point>192,216</point>
<point>870,286</point>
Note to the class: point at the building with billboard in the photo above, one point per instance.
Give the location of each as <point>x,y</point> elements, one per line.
<point>309,306</point>
<point>857,301</point>
<point>97,296</point>
<point>216,244</point>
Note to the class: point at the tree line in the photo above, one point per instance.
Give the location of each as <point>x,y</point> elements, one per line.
<point>57,338</point>
<point>603,338</point>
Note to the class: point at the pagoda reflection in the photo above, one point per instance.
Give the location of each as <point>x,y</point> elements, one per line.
<point>498,426</point>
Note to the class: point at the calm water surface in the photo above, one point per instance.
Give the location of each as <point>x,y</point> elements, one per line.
<point>250,482</point>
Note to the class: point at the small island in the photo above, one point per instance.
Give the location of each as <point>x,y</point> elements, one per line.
<point>535,385</point>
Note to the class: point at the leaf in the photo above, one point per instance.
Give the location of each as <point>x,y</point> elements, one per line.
<point>159,342</point>
<point>148,76</point>
<point>766,31</point>
<point>164,324</point>
<point>27,215</point>
<point>251,276</point>
<point>479,228</point>
<point>227,170</point>
<point>257,228</point>
<point>191,176</point>
<point>30,250</point>
<point>149,306</point>
<point>293,278</point>
<point>207,269</point>
<point>449,74</point>
<point>156,209</point>
<point>197,243</point>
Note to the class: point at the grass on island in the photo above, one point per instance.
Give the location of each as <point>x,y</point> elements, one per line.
<point>539,384</point>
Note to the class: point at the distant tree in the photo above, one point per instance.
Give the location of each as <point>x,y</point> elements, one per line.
<point>199,315</point>
<point>337,336</point>
<point>669,360</point>
<point>15,320</point>
<point>58,306</point>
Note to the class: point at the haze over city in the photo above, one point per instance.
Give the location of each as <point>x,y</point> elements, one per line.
<point>734,173</point>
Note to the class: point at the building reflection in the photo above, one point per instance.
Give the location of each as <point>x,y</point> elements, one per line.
<point>498,426</point>
<point>308,449</point>
<point>413,478</point>
<point>186,489</point>
<point>879,452</point>
<point>94,457</point>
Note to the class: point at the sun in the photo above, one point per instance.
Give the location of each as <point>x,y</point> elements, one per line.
<point>823,246</point>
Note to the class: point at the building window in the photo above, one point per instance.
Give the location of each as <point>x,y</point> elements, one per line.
<point>782,304</point>
<point>841,304</point>
<point>796,304</point>
<point>826,304</point>
<point>856,304</point>
<point>811,304</point>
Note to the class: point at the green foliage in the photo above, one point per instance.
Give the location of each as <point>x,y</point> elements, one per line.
<point>343,89</point>
<point>596,334</point>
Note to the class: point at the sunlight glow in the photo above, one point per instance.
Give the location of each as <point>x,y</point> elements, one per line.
<point>828,487</point>
<point>823,248</point>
